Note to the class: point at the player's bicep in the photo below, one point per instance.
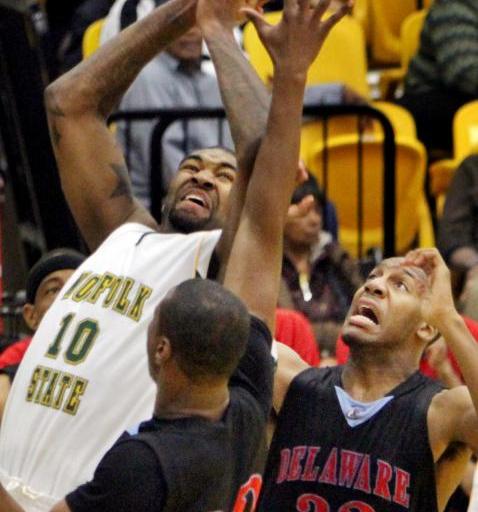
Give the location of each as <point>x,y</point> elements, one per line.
<point>452,419</point>
<point>467,424</point>
<point>93,175</point>
<point>289,365</point>
<point>254,266</point>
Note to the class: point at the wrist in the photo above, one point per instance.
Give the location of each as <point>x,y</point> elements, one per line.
<point>217,29</point>
<point>290,74</point>
<point>448,322</point>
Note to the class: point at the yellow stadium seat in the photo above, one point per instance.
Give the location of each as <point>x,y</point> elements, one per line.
<point>387,17</point>
<point>410,36</point>
<point>361,12</point>
<point>401,119</point>
<point>313,130</point>
<point>342,58</point>
<point>413,219</point>
<point>409,42</point>
<point>465,142</point>
<point>91,38</point>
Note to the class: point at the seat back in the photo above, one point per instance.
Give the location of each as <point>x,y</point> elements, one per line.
<point>345,189</point>
<point>465,130</point>
<point>341,59</point>
<point>387,17</point>
<point>91,38</point>
<point>401,119</point>
<point>410,36</point>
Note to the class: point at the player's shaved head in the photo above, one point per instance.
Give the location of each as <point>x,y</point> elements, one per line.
<point>208,328</point>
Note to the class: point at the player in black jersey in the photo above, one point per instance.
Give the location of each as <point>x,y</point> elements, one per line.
<point>206,441</point>
<point>375,435</point>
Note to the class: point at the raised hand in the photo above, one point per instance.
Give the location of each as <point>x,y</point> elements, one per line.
<point>227,13</point>
<point>294,43</point>
<point>437,298</point>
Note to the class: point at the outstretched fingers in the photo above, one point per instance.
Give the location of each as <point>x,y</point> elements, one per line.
<point>256,17</point>
<point>320,9</point>
<point>334,18</point>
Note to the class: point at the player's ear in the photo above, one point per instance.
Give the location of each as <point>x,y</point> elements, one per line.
<point>30,316</point>
<point>427,333</point>
<point>162,350</point>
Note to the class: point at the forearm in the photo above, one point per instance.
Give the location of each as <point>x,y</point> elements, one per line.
<point>246,102</point>
<point>465,350</point>
<point>259,237</point>
<point>278,156</point>
<point>244,96</point>
<point>98,83</point>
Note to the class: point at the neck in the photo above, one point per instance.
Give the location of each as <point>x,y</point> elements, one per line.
<point>371,372</point>
<point>208,401</point>
<point>298,254</point>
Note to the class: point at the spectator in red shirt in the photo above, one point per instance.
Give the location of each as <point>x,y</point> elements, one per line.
<point>294,330</point>
<point>45,279</point>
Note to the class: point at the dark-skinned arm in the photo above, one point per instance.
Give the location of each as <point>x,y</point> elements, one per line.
<point>8,504</point>
<point>453,413</point>
<point>245,98</point>
<point>92,169</point>
<point>254,266</point>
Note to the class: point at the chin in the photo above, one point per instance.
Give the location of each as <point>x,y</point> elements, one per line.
<point>352,338</point>
<point>188,224</point>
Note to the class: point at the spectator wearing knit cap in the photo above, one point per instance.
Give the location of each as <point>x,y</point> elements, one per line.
<point>45,280</point>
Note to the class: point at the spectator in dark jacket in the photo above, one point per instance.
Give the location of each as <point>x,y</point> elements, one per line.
<point>319,277</point>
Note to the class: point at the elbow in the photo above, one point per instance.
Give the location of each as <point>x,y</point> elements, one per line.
<point>67,96</point>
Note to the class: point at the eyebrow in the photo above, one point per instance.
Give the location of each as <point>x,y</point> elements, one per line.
<point>410,274</point>
<point>50,280</point>
<point>199,159</point>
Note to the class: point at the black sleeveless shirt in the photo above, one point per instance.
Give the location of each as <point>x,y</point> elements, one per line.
<point>318,463</point>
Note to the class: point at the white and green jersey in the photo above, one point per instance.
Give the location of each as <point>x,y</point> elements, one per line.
<point>84,379</point>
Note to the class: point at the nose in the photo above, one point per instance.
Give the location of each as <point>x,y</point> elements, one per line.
<point>204,179</point>
<point>376,287</point>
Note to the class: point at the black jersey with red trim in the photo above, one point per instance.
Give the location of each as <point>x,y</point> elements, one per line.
<point>318,462</point>
<point>192,464</point>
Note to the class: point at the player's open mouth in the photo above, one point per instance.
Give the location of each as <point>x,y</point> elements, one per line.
<point>364,316</point>
<point>368,313</point>
<point>196,198</point>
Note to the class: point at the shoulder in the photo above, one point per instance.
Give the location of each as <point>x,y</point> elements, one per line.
<point>115,485</point>
<point>129,232</point>
<point>128,454</point>
<point>291,370</point>
<point>259,330</point>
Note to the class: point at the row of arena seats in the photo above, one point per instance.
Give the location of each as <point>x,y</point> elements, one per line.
<point>347,44</point>
<point>382,22</point>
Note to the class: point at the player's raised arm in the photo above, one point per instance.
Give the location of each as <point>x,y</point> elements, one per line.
<point>245,98</point>
<point>254,267</point>
<point>93,173</point>
<point>453,414</point>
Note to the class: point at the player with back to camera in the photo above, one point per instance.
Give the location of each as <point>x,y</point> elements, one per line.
<point>84,379</point>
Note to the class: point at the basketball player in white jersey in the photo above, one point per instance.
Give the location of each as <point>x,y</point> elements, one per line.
<point>84,378</point>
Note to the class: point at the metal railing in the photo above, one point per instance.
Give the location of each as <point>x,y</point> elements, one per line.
<point>166,117</point>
